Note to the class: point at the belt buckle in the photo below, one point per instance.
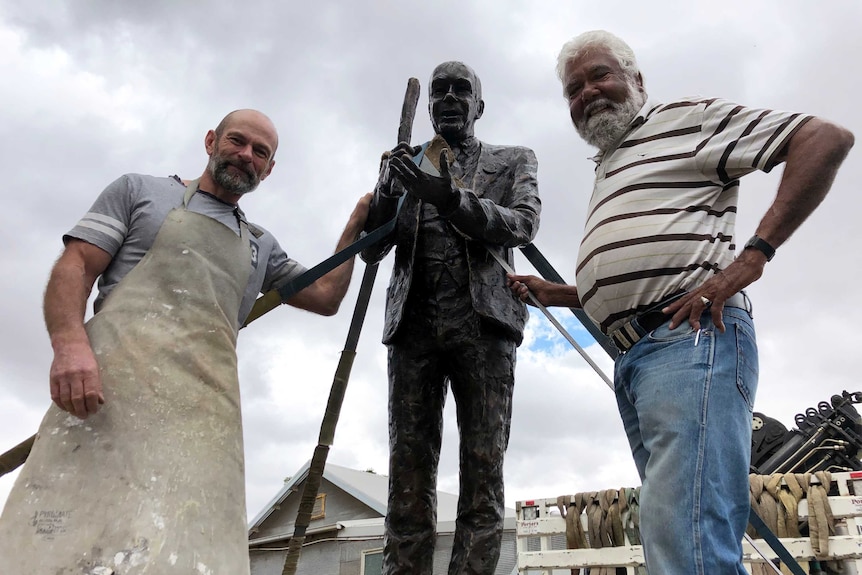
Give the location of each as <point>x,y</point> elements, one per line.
<point>626,336</point>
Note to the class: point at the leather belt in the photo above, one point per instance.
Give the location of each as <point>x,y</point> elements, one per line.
<point>643,323</point>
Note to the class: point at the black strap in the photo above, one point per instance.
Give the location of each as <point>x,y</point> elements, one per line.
<point>273,298</point>
<point>776,544</point>
<point>311,275</point>
<point>547,271</point>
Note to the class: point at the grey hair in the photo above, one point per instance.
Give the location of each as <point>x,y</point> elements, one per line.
<point>575,47</point>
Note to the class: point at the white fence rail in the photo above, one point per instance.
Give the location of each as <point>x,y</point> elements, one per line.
<point>541,532</point>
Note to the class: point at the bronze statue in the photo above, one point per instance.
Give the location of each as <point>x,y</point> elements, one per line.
<point>450,319</point>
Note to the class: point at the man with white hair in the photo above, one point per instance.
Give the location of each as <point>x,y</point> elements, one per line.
<point>658,259</point>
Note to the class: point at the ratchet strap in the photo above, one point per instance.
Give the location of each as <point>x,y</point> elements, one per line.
<point>273,298</point>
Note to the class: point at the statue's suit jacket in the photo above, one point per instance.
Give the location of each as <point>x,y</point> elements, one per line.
<point>497,210</point>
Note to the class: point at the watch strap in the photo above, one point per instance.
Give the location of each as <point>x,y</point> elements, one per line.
<point>761,245</point>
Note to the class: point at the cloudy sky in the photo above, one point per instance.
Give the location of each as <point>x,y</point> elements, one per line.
<point>96,88</point>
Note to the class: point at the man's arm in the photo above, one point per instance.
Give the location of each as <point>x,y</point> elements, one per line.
<point>548,294</point>
<point>324,296</point>
<point>76,386</point>
<point>812,157</point>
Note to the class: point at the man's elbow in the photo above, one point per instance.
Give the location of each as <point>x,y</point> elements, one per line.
<point>847,139</point>
<point>328,302</point>
<point>329,308</point>
<point>837,138</point>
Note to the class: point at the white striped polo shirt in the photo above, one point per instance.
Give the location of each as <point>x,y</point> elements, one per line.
<point>661,217</point>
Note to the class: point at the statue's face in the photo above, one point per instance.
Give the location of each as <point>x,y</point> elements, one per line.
<point>454,100</point>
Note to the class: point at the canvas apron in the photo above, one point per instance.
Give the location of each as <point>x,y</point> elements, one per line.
<point>154,482</point>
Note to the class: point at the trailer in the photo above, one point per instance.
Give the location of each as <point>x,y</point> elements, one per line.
<point>549,531</point>
<point>806,485</point>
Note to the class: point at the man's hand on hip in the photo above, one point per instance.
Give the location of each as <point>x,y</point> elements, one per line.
<point>745,270</point>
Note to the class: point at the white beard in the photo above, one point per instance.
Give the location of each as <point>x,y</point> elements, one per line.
<point>605,128</point>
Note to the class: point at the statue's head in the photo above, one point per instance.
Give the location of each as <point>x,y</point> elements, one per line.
<point>454,100</point>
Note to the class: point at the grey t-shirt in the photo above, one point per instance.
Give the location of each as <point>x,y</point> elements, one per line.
<point>127,215</point>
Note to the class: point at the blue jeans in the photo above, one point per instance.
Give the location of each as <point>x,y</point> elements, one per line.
<point>686,404</point>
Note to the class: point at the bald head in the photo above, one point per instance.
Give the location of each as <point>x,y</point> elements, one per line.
<point>249,117</point>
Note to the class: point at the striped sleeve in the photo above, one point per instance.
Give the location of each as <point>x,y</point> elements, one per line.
<point>280,268</point>
<point>738,140</point>
<point>106,224</point>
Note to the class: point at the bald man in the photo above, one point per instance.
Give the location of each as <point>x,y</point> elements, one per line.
<point>138,465</point>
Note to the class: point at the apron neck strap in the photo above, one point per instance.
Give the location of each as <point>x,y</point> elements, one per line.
<point>191,188</point>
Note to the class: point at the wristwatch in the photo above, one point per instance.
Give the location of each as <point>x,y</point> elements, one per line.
<point>761,245</point>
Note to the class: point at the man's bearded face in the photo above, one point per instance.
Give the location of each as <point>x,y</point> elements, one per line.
<point>604,121</point>
<point>231,174</point>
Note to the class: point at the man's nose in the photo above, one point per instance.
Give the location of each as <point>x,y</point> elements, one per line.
<point>246,153</point>
<point>589,92</point>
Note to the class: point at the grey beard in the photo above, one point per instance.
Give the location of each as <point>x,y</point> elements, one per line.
<point>605,129</point>
<point>233,183</point>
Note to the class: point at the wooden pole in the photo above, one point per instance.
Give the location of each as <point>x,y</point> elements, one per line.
<point>15,457</point>
<point>311,485</point>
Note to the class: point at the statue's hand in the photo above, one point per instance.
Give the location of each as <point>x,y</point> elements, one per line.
<point>384,178</point>
<point>439,190</point>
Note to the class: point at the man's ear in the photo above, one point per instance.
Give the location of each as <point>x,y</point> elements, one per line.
<point>209,142</point>
<point>480,109</point>
<point>640,80</point>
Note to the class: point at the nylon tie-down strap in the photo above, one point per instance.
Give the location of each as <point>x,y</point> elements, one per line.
<point>547,271</point>
<point>773,541</point>
<point>273,298</point>
<point>505,265</point>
